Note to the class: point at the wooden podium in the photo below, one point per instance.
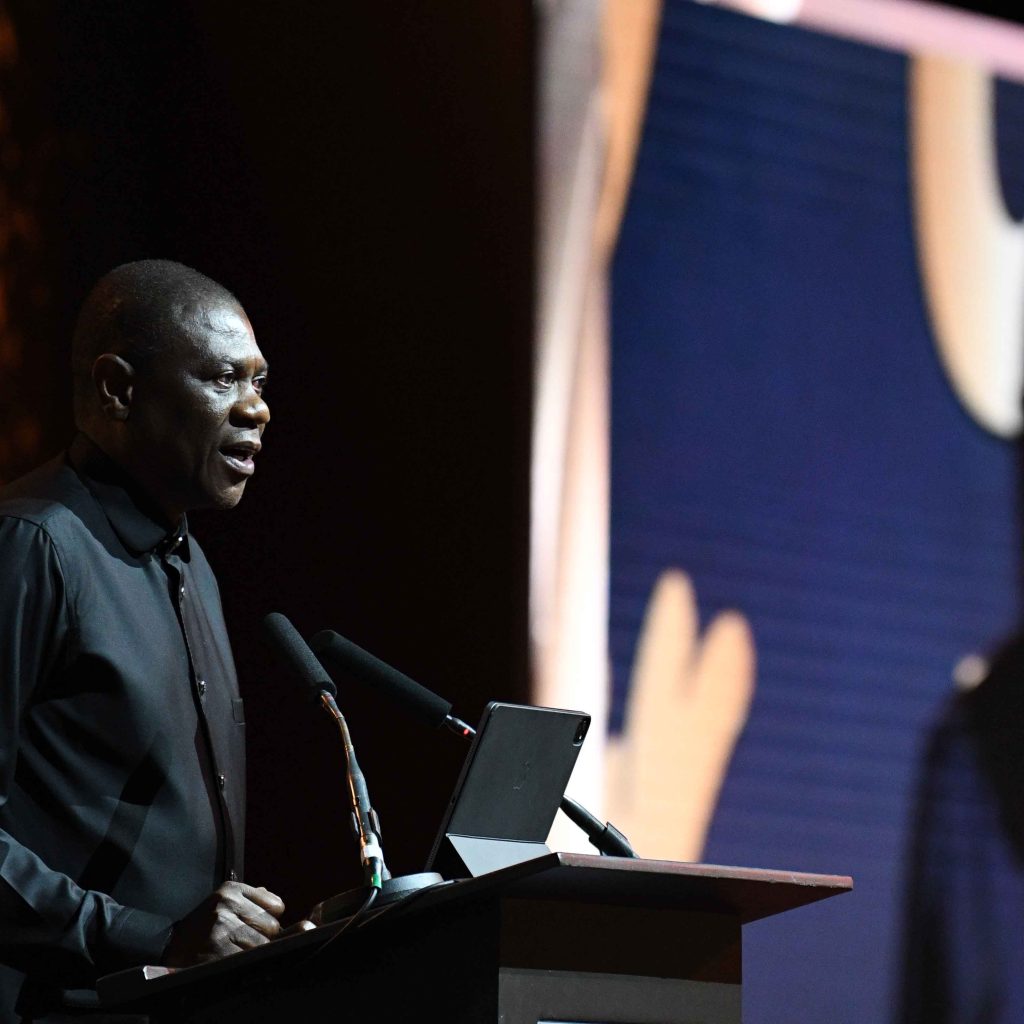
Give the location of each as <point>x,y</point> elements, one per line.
<point>563,937</point>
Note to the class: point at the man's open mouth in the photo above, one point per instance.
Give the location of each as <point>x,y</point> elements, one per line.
<point>240,456</point>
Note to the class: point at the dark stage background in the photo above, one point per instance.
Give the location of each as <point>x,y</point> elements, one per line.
<point>362,178</point>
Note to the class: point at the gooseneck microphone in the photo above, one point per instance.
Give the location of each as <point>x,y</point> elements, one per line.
<point>427,706</point>
<point>306,669</point>
<point>417,700</point>
<point>294,651</point>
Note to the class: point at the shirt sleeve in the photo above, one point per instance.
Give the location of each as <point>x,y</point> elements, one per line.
<point>44,915</point>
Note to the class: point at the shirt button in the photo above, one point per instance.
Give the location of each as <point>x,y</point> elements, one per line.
<point>221,781</point>
<point>181,590</point>
<point>202,687</point>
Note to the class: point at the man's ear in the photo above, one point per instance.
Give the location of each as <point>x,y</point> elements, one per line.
<point>114,379</point>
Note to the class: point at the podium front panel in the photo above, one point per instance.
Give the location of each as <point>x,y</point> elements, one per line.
<point>557,997</point>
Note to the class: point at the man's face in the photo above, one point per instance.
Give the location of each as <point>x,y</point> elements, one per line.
<point>198,412</point>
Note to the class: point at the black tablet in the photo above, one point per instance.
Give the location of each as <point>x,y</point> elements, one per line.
<point>509,789</point>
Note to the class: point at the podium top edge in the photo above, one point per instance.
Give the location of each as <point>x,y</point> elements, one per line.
<point>695,869</point>
<point>748,894</point>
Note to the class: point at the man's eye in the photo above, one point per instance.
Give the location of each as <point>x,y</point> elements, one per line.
<point>224,380</point>
<point>259,384</point>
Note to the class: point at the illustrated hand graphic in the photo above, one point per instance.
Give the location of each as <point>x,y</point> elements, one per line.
<point>688,701</point>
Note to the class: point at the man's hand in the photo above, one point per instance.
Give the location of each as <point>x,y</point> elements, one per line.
<point>234,917</point>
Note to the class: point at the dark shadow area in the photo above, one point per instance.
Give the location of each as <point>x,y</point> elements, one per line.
<point>964,958</point>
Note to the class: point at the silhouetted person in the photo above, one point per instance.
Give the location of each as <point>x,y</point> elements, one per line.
<point>964,940</point>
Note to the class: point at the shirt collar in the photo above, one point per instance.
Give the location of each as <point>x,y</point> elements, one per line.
<point>138,525</point>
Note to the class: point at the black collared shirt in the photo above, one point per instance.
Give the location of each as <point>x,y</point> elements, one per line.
<point>121,727</point>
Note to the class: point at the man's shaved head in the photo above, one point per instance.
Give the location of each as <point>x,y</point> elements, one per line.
<point>137,311</point>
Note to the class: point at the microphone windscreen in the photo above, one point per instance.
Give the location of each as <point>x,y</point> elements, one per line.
<point>341,654</point>
<point>285,640</point>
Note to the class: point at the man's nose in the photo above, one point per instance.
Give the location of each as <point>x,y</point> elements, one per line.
<point>253,408</point>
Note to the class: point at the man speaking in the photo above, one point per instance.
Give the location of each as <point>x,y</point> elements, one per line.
<point>122,773</point>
